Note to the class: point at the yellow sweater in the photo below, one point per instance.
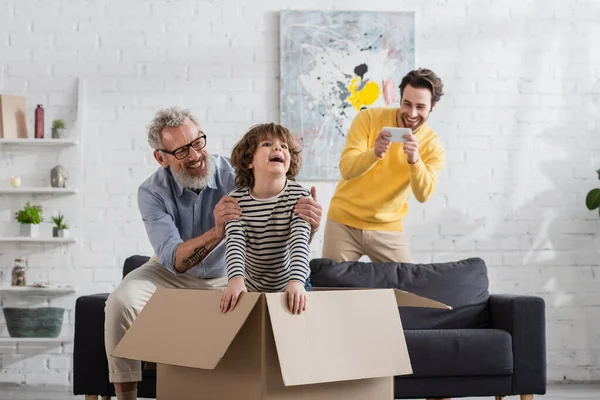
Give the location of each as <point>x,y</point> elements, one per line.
<point>373,192</point>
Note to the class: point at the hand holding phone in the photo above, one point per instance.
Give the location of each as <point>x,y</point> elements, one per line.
<point>397,133</point>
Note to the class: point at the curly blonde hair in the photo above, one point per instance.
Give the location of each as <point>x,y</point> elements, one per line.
<point>243,152</point>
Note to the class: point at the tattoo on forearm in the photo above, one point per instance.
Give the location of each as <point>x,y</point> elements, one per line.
<point>197,256</point>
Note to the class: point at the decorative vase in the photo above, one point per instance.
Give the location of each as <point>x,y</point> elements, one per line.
<point>55,231</point>
<point>30,230</point>
<point>39,122</point>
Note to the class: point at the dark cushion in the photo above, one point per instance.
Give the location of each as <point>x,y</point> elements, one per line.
<point>460,284</point>
<point>134,262</point>
<point>460,352</point>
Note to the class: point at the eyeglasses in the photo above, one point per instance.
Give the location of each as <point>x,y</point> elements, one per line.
<point>182,152</point>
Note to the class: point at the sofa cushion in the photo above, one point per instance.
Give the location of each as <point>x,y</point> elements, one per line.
<point>460,352</point>
<point>460,284</point>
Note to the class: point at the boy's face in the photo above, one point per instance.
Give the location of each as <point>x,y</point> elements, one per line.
<point>272,157</point>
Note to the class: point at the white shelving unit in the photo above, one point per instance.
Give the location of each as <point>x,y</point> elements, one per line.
<point>25,239</point>
<point>37,290</point>
<point>37,190</point>
<point>39,142</point>
<point>58,340</point>
<point>70,153</point>
<point>33,144</point>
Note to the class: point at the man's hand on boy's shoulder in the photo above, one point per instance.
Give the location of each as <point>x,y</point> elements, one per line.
<point>309,210</point>
<point>227,209</point>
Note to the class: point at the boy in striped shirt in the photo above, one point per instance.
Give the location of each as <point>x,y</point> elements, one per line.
<point>267,248</point>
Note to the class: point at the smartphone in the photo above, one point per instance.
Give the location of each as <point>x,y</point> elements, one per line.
<point>397,133</point>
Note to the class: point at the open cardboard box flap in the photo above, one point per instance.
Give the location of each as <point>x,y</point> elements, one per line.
<point>343,334</point>
<point>184,327</point>
<point>403,298</point>
<point>407,299</point>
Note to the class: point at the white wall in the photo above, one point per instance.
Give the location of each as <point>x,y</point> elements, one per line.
<point>520,121</point>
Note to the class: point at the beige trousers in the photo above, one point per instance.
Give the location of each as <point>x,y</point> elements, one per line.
<point>345,243</point>
<point>127,300</point>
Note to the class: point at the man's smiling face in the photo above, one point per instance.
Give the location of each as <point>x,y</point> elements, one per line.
<point>415,107</point>
<point>197,168</point>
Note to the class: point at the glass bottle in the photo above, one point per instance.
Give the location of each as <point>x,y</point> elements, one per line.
<point>39,122</point>
<point>18,272</point>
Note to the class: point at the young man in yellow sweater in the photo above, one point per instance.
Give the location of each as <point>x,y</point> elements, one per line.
<point>378,176</point>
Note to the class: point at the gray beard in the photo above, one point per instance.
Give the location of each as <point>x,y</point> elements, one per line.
<point>196,182</point>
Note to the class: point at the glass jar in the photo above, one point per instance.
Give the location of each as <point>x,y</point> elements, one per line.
<point>18,272</point>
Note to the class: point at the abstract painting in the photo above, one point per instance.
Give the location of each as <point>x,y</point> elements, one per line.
<point>334,64</point>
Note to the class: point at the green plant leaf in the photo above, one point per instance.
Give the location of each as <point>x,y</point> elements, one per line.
<point>29,214</point>
<point>58,220</point>
<point>592,200</point>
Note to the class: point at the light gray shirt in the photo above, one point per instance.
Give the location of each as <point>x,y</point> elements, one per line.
<point>173,214</point>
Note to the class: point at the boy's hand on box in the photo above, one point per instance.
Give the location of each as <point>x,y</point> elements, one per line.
<point>230,297</point>
<point>296,297</point>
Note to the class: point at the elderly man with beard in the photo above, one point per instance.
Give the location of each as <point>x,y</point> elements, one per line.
<point>184,208</point>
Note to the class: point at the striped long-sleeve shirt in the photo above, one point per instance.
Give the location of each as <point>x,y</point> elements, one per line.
<point>268,244</point>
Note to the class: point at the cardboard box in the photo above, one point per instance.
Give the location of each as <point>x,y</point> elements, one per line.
<point>13,117</point>
<point>347,345</point>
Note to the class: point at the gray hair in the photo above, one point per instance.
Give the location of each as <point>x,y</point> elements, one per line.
<point>172,117</point>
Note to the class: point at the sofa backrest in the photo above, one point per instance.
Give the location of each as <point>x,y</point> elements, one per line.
<point>133,262</point>
<point>461,284</point>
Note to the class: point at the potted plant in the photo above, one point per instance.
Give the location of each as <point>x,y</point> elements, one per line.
<point>592,200</point>
<point>61,229</point>
<point>58,129</point>
<point>30,217</point>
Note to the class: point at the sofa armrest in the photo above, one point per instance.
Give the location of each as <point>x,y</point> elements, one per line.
<point>524,317</point>
<point>90,366</point>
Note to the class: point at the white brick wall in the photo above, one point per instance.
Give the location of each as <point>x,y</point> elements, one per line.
<point>523,85</point>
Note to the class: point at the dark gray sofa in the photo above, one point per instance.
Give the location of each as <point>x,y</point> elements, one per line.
<point>90,366</point>
<point>488,345</point>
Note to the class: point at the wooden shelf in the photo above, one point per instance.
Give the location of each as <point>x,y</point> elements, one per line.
<point>37,291</point>
<point>23,239</point>
<point>37,190</point>
<point>39,142</point>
